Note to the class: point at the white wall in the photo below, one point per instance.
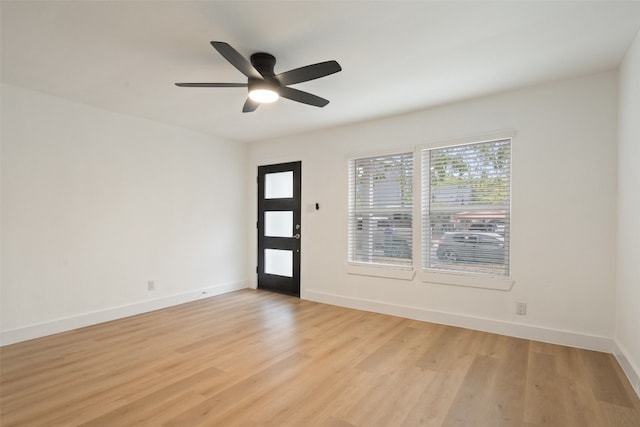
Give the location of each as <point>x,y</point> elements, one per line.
<point>627,332</point>
<point>564,204</point>
<point>95,204</point>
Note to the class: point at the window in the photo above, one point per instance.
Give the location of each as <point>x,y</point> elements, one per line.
<point>381,210</point>
<point>466,197</point>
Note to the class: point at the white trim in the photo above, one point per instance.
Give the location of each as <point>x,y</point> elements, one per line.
<point>474,139</point>
<point>87,319</point>
<point>468,280</point>
<point>536,333</point>
<point>417,254</point>
<point>389,272</point>
<point>630,370</point>
<point>382,152</point>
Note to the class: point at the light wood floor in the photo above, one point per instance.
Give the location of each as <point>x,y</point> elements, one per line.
<point>259,359</point>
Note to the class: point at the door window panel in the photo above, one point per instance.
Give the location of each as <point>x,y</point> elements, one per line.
<point>278,185</point>
<point>278,223</point>
<point>278,262</point>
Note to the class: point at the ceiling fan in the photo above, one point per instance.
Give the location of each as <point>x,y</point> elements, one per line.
<point>264,85</point>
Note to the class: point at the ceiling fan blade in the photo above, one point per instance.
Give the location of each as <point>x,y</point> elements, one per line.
<point>300,96</point>
<point>237,60</point>
<point>310,72</point>
<point>212,84</point>
<point>250,105</point>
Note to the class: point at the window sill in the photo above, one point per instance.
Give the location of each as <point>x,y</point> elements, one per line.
<point>386,271</point>
<point>468,280</point>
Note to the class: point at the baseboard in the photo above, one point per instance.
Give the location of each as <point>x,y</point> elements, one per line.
<point>536,333</point>
<point>631,371</point>
<point>87,319</point>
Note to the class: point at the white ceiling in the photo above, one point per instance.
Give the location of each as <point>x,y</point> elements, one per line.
<point>396,56</point>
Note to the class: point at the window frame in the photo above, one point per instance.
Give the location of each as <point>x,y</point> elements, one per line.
<point>458,278</point>
<point>374,269</point>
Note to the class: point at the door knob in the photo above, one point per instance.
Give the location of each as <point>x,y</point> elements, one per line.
<point>297,236</point>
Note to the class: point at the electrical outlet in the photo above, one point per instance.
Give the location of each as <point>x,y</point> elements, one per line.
<point>151,285</point>
<point>521,308</point>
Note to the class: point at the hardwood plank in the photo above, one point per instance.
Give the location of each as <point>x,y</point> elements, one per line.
<point>506,398</point>
<point>447,346</point>
<point>579,399</point>
<point>388,397</point>
<point>390,350</point>
<point>615,415</point>
<point>607,388</point>
<point>335,422</point>
<point>471,402</point>
<point>433,405</point>
<point>544,393</point>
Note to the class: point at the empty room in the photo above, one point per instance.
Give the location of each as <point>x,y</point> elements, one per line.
<point>320,213</point>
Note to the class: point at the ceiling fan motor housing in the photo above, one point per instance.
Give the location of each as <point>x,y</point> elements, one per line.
<point>264,63</point>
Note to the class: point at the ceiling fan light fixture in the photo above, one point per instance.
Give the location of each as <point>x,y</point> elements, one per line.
<point>264,96</point>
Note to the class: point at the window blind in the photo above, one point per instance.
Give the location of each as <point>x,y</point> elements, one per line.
<point>381,210</point>
<point>466,202</point>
